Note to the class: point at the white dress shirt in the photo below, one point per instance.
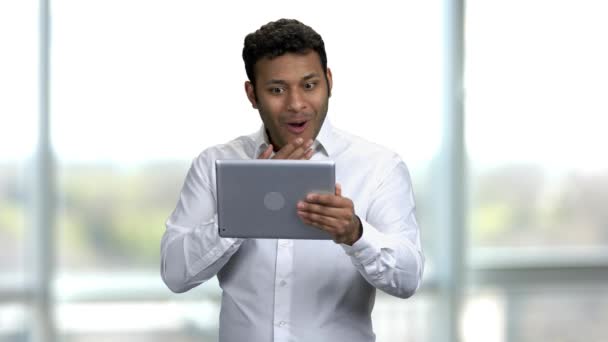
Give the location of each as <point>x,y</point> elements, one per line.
<point>300,290</point>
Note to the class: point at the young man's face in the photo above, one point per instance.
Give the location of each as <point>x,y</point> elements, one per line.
<point>292,96</point>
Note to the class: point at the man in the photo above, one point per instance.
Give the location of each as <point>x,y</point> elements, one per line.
<point>299,290</point>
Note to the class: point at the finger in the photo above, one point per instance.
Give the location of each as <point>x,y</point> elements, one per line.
<point>304,217</point>
<point>309,143</point>
<point>338,238</point>
<point>323,222</point>
<point>322,210</point>
<point>338,190</point>
<point>267,153</point>
<point>288,149</point>
<point>329,200</point>
<point>317,226</point>
<point>300,151</point>
<point>309,154</point>
<point>284,152</point>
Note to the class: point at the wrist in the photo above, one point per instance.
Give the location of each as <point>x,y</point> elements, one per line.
<point>358,232</point>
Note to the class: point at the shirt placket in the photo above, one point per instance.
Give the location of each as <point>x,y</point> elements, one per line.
<point>283,286</point>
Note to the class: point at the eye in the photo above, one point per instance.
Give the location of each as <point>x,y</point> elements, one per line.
<point>310,85</point>
<point>277,90</point>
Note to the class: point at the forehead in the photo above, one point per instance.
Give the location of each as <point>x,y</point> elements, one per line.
<point>288,67</point>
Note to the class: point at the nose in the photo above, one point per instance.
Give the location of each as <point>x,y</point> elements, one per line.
<point>296,101</point>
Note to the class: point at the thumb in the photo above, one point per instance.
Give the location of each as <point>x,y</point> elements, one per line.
<point>338,190</point>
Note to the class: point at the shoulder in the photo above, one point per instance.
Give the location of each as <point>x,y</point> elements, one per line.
<point>238,148</point>
<point>373,162</point>
<point>363,149</point>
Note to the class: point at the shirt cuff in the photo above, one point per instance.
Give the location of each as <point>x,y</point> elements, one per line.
<point>366,249</point>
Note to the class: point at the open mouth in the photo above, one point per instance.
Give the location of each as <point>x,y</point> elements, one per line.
<point>297,127</point>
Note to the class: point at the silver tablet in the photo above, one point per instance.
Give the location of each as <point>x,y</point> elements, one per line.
<point>258,198</point>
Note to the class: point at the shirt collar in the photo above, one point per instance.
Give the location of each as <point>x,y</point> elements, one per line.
<point>326,139</point>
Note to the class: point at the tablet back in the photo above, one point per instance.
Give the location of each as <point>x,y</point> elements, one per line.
<point>257,198</point>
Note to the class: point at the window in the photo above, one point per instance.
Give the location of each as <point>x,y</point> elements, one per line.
<point>535,85</point>
<point>535,116</point>
<point>139,88</point>
<point>137,93</point>
<point>18,111</point>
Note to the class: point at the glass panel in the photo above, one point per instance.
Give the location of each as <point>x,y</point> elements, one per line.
<point>135,100</point>
<point>137,321</point>
<point>12,323</point>
<point>112,218</point>
<point>536,122</point>
<point>122,151</point>
<point>133,104</point>
<point>18,112</point>
<point>483,318</point>
<point>550,315</point>
<point>12,221</point>
<point>394,319</point>
<point>398,320</point>
<point>540,314</point>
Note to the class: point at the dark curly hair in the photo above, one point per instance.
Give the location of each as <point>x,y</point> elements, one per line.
<point>279,37</point>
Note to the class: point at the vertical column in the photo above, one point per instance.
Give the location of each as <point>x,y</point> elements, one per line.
<point>452,178</point>
<point>43,225</point>
<point>513,308</point>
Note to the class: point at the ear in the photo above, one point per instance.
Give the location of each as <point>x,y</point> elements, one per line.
<point>250,91</point>
<point>330,82</point>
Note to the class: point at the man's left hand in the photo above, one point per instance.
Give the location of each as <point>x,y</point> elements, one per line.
<point>334,214</point>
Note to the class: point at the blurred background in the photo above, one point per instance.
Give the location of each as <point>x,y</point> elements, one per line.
<point>498,108</point>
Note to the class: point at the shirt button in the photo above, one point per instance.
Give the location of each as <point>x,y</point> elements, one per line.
<point>283,283</point>
<point>357,254</point>
<point>282,323</point>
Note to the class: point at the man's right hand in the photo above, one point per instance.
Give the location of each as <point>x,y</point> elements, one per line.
<point>296,149</point>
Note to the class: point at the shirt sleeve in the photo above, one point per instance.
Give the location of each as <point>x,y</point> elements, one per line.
<point>389,253</point>
<point>192,251</point>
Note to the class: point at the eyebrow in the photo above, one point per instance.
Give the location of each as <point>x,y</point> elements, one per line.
<point>309,76</point>
<point>282,82</point>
